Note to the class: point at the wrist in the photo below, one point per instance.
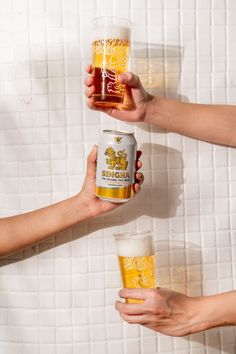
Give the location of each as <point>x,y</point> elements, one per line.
<point>203,314</point>
<point>151,109</point>
<point>84,208</point>
<point>72,211</point>
<point>213,311</point>
<point>223,311</point>
<point>166,113</point>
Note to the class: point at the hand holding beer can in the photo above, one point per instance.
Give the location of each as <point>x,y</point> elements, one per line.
<point>110,50</point>
<point>137,260</point>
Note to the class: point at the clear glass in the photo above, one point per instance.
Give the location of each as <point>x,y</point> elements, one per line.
<point>110,57</point>
<point>137,260</point>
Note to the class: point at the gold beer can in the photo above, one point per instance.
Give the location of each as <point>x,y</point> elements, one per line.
<point>116,161</point>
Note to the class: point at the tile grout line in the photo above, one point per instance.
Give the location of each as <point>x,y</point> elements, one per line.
<point>198,153</point>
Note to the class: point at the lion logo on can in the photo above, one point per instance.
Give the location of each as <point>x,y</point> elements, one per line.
<point>116,160</point>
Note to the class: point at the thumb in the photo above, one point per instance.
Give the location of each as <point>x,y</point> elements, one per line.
<point>92,162</point>
<point>130,79</point>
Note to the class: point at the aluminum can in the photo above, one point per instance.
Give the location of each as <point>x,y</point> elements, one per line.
<point>116,161</point>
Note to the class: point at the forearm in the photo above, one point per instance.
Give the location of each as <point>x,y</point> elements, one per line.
<point>214,311</point>
<point>211,123</point>
<point>18,232</point>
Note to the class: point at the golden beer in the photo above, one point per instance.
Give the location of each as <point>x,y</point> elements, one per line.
<point>110,51</point>
<point>137,261</point>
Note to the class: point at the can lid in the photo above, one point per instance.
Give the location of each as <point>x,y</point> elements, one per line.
<point>124,132</point>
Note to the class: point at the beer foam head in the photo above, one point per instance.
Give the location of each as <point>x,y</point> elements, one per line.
<point>111,28</point>
<point>134,244</point>
<point>111,32</point>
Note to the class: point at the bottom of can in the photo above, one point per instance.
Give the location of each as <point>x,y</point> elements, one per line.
<point>115,195</point>
<point>113,200</point>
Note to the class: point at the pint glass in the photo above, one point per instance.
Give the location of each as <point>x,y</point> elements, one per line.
<point>137,260</point>
<point>110,51</point>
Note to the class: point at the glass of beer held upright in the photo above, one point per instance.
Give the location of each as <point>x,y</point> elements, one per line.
<point>137,260</point>
<point>110,56</point>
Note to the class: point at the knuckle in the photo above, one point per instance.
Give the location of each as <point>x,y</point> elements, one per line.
<point>141,176</point>
<point>126,318</point>
<point>128,74</point>
<point>86,80</point>
<point>117,306</point>
<point>122,315</point>
<point>120,307</point>
<point>155,309</point>
<point>152,294</point>
<point>137,79</point>
<point>90,104</point>
<point>129,321</point>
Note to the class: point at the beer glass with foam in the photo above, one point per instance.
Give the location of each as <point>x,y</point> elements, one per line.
<point>137,260</point>
<point>110,54</point>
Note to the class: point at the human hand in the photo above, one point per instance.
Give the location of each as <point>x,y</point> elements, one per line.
<point>136,99</point>
<point>167,312</point>
<point>95,205</point>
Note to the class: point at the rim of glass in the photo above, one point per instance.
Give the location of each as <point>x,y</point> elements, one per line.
<point>133,234</point>
<point>106,20</point>
<point>110,131</point>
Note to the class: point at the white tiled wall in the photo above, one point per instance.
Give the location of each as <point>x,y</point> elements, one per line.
<point>58,297</point>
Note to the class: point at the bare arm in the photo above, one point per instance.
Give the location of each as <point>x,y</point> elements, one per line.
<point>18,232</point>
<point>176,314</point>
<point>211,123</point>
